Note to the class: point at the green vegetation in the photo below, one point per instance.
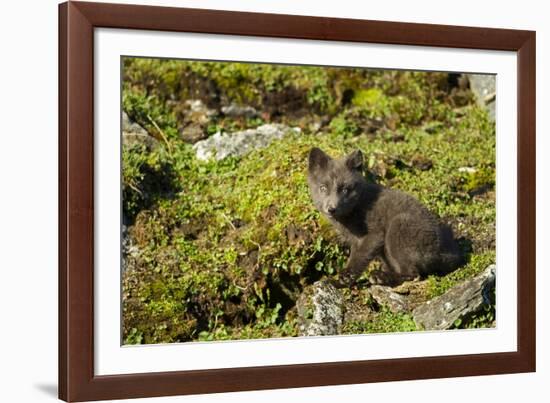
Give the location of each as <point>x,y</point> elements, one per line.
<point>478,262</point>
<point>382,322</point>
<point>225,248</point>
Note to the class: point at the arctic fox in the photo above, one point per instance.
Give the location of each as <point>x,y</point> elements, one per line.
<point>378,222</point>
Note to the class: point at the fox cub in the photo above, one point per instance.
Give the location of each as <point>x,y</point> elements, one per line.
<point>377,222</point>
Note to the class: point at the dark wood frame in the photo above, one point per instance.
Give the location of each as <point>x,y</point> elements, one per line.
<point>77,381</point>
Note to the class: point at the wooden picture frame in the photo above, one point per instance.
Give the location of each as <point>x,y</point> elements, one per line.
<point>77,21</point>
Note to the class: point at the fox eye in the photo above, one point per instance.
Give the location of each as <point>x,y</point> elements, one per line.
<point>346,190</point>
<point>323,188</point>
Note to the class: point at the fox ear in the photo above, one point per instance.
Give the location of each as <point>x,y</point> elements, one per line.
<point>317,159</point>
<point>354,161</point>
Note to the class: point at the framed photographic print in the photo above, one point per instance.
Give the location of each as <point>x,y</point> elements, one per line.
<point>253,201</point>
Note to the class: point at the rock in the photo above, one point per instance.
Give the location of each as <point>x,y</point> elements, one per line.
<point>197,113</point>
<point>193,133</point>
<point>358,307</point>
<point>125,245</point>
<point>221,145</point>
<point>237,111</point>
<point>484,88</point>
<point>315,126</point>
<point>196,105</point>
<point>130,252</point>
<point>320,310</point>
<point>468,170</point>
<point>385,296</point>
<point>132,127</point>
<point>195,118</point>
<point>458,303</point>
<point>134,134</point>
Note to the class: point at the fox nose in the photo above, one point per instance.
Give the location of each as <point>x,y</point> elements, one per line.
<point>331,210</point>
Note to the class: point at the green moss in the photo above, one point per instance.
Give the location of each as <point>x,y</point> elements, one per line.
<point>368,98</point>
<point>477,264</point>
<point>482,179</point>
<point>382,322</point>
<point>151,113</point>
<point>344,127</point>
<point>147,177</point>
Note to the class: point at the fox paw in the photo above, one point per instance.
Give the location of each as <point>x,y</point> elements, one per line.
<point>380,277</point>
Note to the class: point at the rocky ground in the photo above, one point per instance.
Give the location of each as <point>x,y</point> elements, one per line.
<point>220,239</point>
<point>325,310</point>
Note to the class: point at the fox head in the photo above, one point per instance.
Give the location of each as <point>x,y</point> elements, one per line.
<point>336,185</point>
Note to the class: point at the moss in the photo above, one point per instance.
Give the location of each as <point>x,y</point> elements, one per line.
<point>151,113</point>
<point>480,180</point>
<point>368,98</point>
<point>382,322</point>
<point>147,177</point>
<point>343,126</point>
<point>477,264</point>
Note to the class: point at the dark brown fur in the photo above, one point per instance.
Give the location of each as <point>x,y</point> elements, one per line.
<point>379,222</point>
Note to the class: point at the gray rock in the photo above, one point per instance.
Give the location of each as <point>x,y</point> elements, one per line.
<point>134,134</point>
<point>468,170</point>
<point>315,126</point>
<point>320,310</point>
<point>484,88</point>
<point>130,126</point>
<point>130,252</point>
<point>196,105</point>
<point>198,112</point>
<point>196,117</point>
<point>385,296</point>
<point>459,302</point>
<point>238,111</point>
<point>358,310</point>
<point>221,145</point>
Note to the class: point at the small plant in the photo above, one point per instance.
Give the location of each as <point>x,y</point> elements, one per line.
<point>383,322</point>
<point>477,264</point>
<point>343,127</point>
